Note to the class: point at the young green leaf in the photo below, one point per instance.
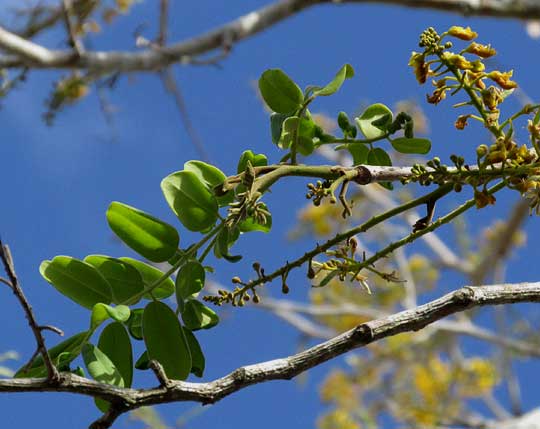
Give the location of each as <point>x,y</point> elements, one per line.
<point>258,160</point>
<point>411,145</point>
<point>189,280</point>
<point>378,113</point>
<point>115,343</point>
<point>100,367</point>
<point>165,340</point>
<point>303,128</point>
<point>276,125</point>
<point>148,236</point>
<point>211,176</point>
<point>70,347</point>
<point>345,72</point>
<point>196,315</point>
<point>279,92</point>
<point>125,280</point>
<point>225,239</point>
<point>150,275</point>
<point>102,312</point>
<point>77,280</point>
<point>197,356</point>
<point>359,152</point>
<point>190,200</point>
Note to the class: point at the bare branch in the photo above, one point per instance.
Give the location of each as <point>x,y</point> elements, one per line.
<point>234,31</point>
<point>286,368</point>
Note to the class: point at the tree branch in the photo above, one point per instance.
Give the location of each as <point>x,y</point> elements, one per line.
<point>7,261</point>
<point>285,368</point>
<point>243,27</point>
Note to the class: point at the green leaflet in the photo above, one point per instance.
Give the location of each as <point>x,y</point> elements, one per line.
<point>189,281</point>
<point>124,279</point>
<point>102,312</point>
<point>345,72</point>
<point>150,237</point>
<point>165,340</point>
<point>77,280</point>
<point>197,356</point>
<point>411,145</point>
<point>150,275</point>
<point>279,91</point>
<point>100,367</point>
<point>211,176</point>
<point>196,315</point>
<point>69,348</point>
<point>190,200</point>
<point>115,343</point>
<point>373,122</point>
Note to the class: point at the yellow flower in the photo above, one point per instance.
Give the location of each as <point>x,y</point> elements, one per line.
<point>458,61</point>
<point>503,79</point>
<point>461,122</point>
<point>437,96</point>
<point>484,51</point>
<point>421,69</point>
<point>462,33</point>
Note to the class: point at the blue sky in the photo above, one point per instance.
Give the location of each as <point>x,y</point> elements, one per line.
<point>58,181</point>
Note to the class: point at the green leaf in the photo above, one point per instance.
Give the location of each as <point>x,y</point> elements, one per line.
<point>150,275</point>
<point>115,343</point>
<point>305,134</point>
<point>378,113</point>
<point>189,281</point>
<point>378,156</point>
<point>134,323</point>
<point>143,363</point>
<point>190,200</point>
<point>211,176</point>
<point>125,280</point>
<point>276,125</point>
<point>102,312</point>
<point>225,239</point>
<point>359,152</point>
<point>69,348</point>
<point>196,315</point>
<point>258,160</point>
<point>150,237</point>
<point>411,145</point>
<point>345,72</point>
<point>279,92</point>
<point>165,340</point>
<point>100,367</point>
<point>197,356</point>
<point>77,280</point>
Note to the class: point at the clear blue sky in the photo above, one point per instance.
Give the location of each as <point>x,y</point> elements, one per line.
<point>58,182</point>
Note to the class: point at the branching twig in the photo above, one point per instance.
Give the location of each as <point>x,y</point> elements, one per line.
<point>9,267</point>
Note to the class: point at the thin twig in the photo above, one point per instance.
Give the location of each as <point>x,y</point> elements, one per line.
<point>74,40</point>
<point>170,85</point>
<point>9,267</point>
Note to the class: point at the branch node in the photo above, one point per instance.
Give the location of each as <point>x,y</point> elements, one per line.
<point>164,381</point>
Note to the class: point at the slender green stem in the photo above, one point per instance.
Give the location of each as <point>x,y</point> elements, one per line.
<point>525,111</point>
<point>436,194</point>
<point>433,226</point>
<point>188,254</point>
<point>360,141</point>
